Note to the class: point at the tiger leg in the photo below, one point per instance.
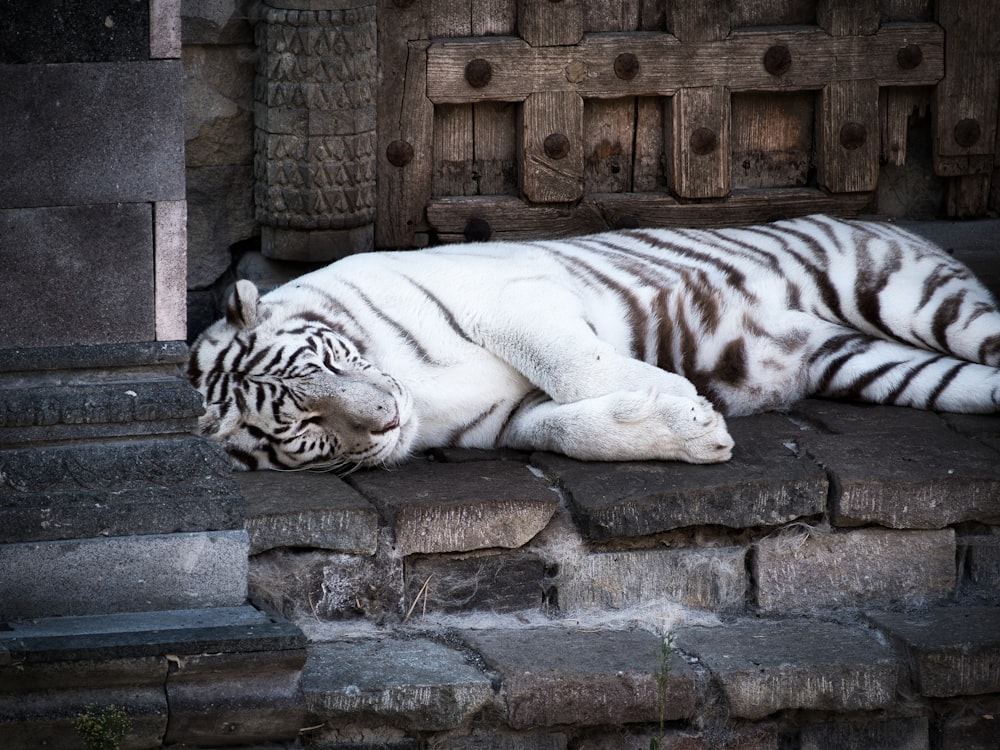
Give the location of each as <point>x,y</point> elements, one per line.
<point>619,426</point>
<point>854,365</point>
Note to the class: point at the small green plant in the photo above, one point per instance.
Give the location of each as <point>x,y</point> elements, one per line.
<point>103,728</point>
<point>662,676</point>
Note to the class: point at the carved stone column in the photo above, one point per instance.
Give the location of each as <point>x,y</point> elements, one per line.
<point>315,128</point>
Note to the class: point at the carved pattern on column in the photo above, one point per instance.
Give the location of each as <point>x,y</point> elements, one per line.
<point>315,130</point>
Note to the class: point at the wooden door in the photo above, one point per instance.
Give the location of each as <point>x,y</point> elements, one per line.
<point>542,118</point>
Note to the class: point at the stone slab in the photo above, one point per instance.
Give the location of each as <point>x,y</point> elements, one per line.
<point>913,480</point>
<point>412,684</point>
<point>504,582</point>
<point>887,734</point>
<point>81,31</point>
<point>435,507</point>
<point>555,676</point>
<point>170,292</point>
<point>766,666</point>
<point>951,651</point>
<point>707,578</point>
<point>964,724</point>
<point>123,574</point>
<point>850,418</point>
<point>98,133</point>
<point>800,572</point>
<point>99,638</point>
<point>504,741</point>
<point>116,488</point>
<point>301,509</point>
<point>765,484</point>
<point>103,253</point>
<point>717,737</point>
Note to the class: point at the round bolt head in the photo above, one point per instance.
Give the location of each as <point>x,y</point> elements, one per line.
<point>853,135</point>
<point>399,153</point>
<point>967,132</point>
<point>478,72</point>
<point>477,230</point>
<point>626,66</point>
<point>777,59</point>
<point>556,146</point>
<point>909,57</point>
<point>704,141</point>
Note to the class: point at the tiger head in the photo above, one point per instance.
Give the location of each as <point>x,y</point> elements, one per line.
<point>284,389</point>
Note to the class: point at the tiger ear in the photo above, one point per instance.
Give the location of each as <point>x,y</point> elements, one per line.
<point>243,305</point>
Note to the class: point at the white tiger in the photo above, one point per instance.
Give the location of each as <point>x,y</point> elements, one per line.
<point>608,347</point>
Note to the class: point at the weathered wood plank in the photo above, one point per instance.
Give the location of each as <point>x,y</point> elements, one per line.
<point>608,135</point>
<point>847,147</point>
<point>494,17</point>
<point>512,219</point>
<point>405,126</point>
<point>552,147</point>
<point>496,145</point>
<point>772,139</point>
<point>453,151</point>
<point>697,20</point>
<point>773,12</point>
<point>666,65</point>
<point>648,170</point>
<point>846,17</point>
<point>699,138</point>
<point>546,24</point>
<point>612,15</point>
<point>896,105</point>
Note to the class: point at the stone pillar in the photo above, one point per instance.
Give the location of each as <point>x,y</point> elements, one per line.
<point>315,128</point>
<point>121,532</point>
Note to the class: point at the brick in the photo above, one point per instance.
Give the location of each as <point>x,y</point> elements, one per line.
<point>854,569</point>
<point>765,666</point>
<point>123,574</point>
<point>888,734</point>
<point>764,484</point>
<point>125,145</point>
<point>951,651</point>
<point>503,582</point>
<point>412,684</point>
<point>104,253</point>
<point>326,585</point>
<point>709,578</point>
<point>554,676</point>
<point>915,480</point>
<point>459,507</point>
<point>306,510</point>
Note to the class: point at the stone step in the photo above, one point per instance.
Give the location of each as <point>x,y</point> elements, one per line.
<point>200,677</point>
<point>886,679</point>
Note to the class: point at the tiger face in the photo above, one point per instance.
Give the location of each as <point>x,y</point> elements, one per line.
<point>289,392</point>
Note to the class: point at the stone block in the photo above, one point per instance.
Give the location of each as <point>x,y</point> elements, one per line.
<point>220,214</point>
<point>112,134</point>
<point>326,585</point>
<point>116,488</point>
<point>218,105</point>
<point>966,724</point>
<point>499,582</point>
<point>459,507</point>
<point>915,480</point>
<point>413,684</point>
<point>849,418</point>
<point>285,509</point>
<point>764,484</point>
<point>123,574</point>
<point>103,253</point>
<point>230,699</point>
<point>82,31</point>
<point>886,734</point>
<point>951,651</point>
<point>982,559</point>
<point>504,741</point>
<point>170,295</point>
<point>767,666</point>
<point>555,676</point>
<point>164,29</point>
<point>708,578</point>
<point>724,737</point>
<point>316,245</point>
<point>217,22</point>
<point>863,567</point>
